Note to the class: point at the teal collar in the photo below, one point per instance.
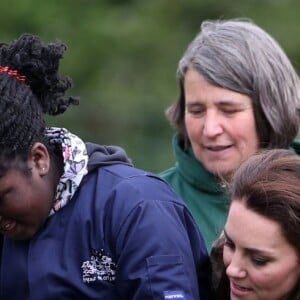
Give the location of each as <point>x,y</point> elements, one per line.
<point>193,171</point>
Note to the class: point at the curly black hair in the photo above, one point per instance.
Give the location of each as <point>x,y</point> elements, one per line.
<point>23,104</point>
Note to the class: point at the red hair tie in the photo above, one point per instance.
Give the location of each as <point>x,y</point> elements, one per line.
<point>12,73</point>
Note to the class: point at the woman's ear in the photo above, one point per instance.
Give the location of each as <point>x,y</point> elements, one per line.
<point>39,158</point>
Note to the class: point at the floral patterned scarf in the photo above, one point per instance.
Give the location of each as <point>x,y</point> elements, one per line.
<point>75,165</point>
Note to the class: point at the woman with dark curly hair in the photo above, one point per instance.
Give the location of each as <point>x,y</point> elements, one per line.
<point>78,221</point>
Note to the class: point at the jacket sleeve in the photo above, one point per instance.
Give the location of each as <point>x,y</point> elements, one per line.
<point>159,249</point>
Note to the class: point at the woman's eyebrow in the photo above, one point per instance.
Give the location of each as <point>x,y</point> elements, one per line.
<point>234,104</point>
<point>226,235</point>
<point>251,249</point>
<point>193,103</point>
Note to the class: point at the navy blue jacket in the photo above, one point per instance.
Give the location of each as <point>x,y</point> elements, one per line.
<point>124,235</point>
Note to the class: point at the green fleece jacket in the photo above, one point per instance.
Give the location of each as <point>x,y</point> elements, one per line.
<point>201,191</point>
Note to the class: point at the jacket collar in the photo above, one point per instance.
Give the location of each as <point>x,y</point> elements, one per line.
<point>193,171</point>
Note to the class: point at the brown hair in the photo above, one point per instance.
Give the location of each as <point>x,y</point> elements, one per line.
<point>269,184</point>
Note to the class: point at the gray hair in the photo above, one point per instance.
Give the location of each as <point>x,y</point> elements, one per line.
<point>240,56</point>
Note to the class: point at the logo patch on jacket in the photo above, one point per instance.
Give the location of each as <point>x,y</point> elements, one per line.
<point>99,267</point>
<point>174,295</point>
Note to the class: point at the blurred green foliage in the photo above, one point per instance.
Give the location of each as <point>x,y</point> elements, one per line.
<point>123,54</point>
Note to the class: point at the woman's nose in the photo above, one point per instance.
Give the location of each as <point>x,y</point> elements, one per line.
<point>236,268</point>
<point>212,124</point>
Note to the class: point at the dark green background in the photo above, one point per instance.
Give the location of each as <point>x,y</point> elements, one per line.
<point>123,55</point>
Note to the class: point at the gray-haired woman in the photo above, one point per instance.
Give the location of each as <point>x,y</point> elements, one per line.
<point>239,93</point>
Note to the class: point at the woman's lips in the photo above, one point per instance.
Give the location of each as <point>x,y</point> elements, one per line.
<point>7,224</point>
<point>217,148</point>
<point>218,152</point>
<point>239,290</point>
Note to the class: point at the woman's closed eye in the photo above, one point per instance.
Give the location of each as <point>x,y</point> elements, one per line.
<point>196,111</point>
<point>230,111</point>
<point>259,260</point>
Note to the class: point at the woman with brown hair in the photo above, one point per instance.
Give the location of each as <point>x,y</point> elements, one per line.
<point>261,240</point>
